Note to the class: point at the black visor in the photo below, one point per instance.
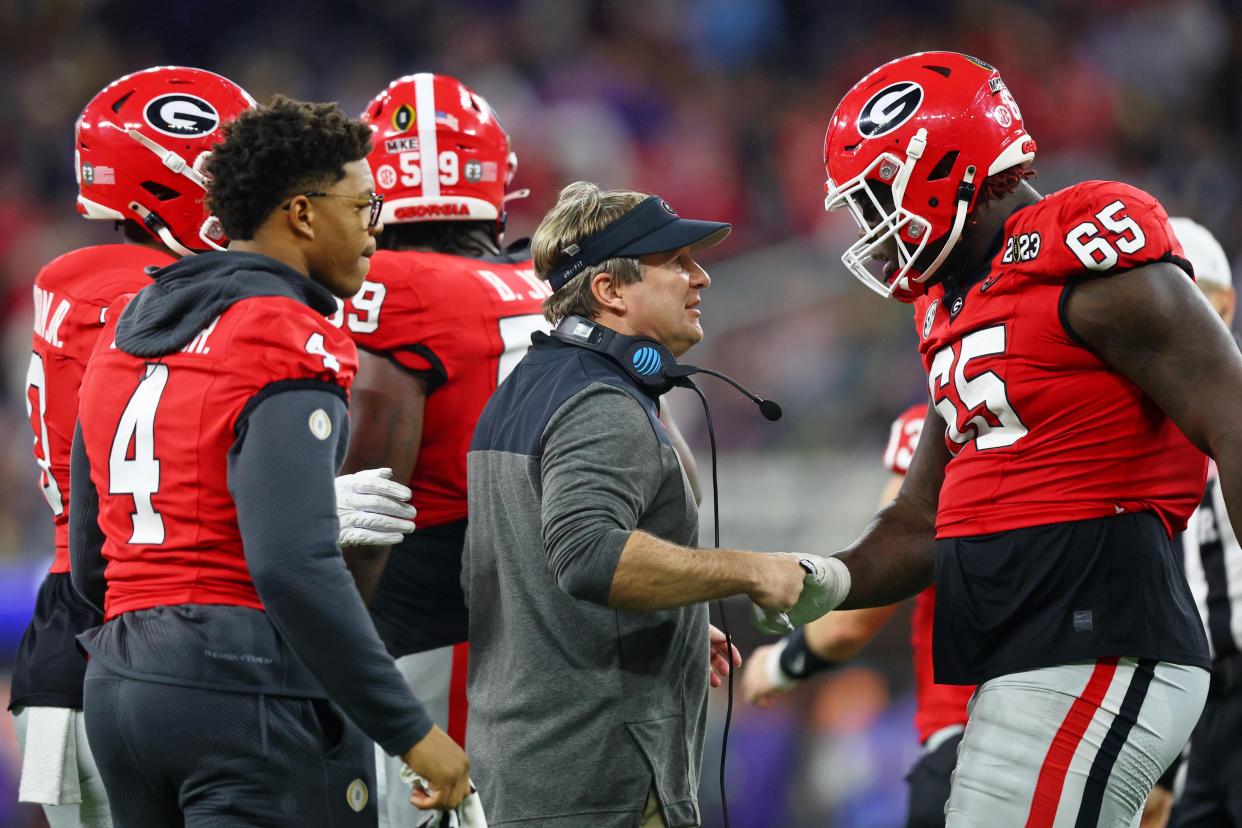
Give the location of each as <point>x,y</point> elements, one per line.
<point>651,227</point>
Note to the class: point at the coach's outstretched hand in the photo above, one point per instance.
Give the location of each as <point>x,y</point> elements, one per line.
<point>443,764</point>
<point>373,509</point>
<point>825,584</point>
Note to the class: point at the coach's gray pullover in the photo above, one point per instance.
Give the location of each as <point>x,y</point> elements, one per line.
<point>576,710</point>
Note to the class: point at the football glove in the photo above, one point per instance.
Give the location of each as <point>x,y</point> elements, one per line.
<point>469,814</point>
<point>826,584</point>
<point>373,509</point>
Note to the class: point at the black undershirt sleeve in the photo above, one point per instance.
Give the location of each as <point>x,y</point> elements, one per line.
<point>86,560</point>
<point>280,472</point>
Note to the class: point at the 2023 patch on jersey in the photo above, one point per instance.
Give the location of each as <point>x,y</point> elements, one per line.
<point>158,432</point>
<point>1040,428</point>
<point>71,294</point>
<point>461,325</point>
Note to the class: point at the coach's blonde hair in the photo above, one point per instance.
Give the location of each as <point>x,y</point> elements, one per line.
<point>582,208</point>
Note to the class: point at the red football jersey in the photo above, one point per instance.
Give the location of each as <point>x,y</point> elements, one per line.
<point>937,706</point>
<point>70,295</point>
<point>462,325</point>
<point>157,434</point>
<point>1040,428</point>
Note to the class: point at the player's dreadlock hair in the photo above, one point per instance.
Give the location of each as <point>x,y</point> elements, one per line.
<point>276,151</point>
<point>1002,183</point>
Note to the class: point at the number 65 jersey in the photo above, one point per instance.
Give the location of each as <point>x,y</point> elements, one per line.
<point>1040,429</point>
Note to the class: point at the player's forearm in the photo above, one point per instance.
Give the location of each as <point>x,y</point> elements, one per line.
<point>281,481</point>
<point>366,565</point>
<point>892,560</point>
<point>653,574</point>
<point>1228,454</point>
<point>840,636</point>
<point>86,561</point>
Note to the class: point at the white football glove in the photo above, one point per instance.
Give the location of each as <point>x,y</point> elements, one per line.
<point>373,509</point>
<point>469,814</point>
<point>825,586</point>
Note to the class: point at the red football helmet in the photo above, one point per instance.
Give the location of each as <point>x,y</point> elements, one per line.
<point>140,148</point>
<point>928,128</point>
<point>440,152</point>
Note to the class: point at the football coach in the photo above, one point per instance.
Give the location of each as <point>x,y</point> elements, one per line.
<point>591,650</point>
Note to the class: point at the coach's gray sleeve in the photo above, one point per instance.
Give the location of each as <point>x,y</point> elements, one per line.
<point>600,471</point>
<point>281,471</point>
<point>86,560</point>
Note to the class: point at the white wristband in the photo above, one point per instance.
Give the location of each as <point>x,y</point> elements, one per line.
<point>777,677</point>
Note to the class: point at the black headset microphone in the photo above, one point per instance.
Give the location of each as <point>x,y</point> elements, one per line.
<point>653,367</point>
<point>770,409</point>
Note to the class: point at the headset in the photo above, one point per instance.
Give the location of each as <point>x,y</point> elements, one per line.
<point>654,369</point>
<point>647,362</point>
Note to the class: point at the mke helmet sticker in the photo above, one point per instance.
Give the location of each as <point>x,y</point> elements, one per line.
<point>889,108</point>
<point>181,115</point>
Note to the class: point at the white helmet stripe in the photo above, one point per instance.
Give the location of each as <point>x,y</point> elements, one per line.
<point>429,151</point>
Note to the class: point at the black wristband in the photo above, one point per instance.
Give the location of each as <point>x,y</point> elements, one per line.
<point>797,660</point>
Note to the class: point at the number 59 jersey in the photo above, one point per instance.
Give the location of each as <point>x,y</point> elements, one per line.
<point>1041,429</point>
<point>461,325</point>
<point>158,432</point>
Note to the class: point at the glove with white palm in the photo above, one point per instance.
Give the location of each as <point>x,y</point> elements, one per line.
<point>373,509</point>
<point>826,585</point>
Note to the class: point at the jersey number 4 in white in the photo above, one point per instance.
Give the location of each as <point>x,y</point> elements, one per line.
<point>139,474</point>
<point>986,390</point>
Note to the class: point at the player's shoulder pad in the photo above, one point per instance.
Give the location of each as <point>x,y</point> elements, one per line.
<point>1092,228</point>
<point>278,339</point>
<point>100,273</point>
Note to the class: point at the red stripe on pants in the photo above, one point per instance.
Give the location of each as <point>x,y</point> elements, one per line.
<point>1061,752</point>
<point>458,709</point>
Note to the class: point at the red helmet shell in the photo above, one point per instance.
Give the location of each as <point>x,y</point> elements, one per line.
<point>140,147</point>
<point>439,152</point>
<point>924,125</point>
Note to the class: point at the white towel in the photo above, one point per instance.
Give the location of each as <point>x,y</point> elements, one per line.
<point>50,758</point>
<point>469,814</point>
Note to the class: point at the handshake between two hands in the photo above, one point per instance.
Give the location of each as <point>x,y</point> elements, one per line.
<point>825,584</point>
<point>373,509</point>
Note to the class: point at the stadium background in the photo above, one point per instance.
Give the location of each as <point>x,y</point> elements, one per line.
<point>720,106</point>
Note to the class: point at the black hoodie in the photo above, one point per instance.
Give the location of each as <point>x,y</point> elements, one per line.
<point>315,638</point>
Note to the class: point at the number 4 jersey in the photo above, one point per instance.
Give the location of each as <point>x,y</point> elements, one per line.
<point>158,430</point>
<point>1042,430</point>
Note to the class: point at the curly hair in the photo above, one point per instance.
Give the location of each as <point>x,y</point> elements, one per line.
<point>1003,183</point>
<point>275,151</point>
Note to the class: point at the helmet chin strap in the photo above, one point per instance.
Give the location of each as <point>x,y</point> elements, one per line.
<point>171,159</point>
<point>156,225</point>
<point>965,193</point>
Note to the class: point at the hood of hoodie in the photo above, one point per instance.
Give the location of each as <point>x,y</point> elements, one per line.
<point>188,294</point>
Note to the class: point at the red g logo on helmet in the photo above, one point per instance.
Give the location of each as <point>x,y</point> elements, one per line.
<point>141,144</point>
<point>905,152</point>
<point>889,108</point>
